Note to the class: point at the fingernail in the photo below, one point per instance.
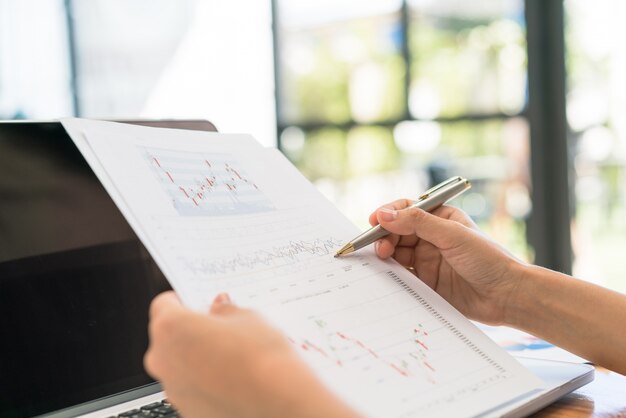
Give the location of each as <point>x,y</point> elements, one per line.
<point>222,298</point>
<point>377,246</point>
<point>388,214</point>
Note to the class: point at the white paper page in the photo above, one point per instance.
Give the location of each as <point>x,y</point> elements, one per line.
<point>76,128</point>
<point>221,215</point>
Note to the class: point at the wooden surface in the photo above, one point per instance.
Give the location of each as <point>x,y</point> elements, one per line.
<point>604,397</point>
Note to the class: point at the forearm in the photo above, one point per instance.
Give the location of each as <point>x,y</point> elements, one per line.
<point>581,317</point>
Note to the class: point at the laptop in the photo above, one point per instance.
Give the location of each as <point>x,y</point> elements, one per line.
<point>76,284</point>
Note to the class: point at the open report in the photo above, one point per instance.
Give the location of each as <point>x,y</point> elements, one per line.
<point>221,213</point>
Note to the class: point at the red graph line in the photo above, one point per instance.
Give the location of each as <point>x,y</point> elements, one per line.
<point>373,353</point>
<point>420,330</point>
<point>422,344</point>
<point>207,183</point>
<point>400,367</point>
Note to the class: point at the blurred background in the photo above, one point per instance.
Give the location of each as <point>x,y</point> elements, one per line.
<point>370,100</point>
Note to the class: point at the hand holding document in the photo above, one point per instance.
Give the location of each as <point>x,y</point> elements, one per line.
<point>220,213</point>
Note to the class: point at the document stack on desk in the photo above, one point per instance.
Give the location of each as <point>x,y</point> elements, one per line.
<point>220,213</point>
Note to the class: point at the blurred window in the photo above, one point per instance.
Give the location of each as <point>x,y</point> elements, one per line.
<point>184,59</point>
<point>374,100</point>
<point>205,59</point>
<point>467,58</point>
<point>379,102</point>
<point>29,43</point>
<point>596,105</point>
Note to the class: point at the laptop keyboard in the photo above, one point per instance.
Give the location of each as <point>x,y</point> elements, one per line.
<point>161,409</point>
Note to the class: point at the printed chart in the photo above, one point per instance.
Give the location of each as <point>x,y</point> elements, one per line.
<point>277,256</point>
<point>408,352</point>
<point>241,221</point>
<point>382,339</point>
<point>397,354</point>
<point>202,184</point>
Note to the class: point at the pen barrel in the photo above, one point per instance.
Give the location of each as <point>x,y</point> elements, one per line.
<point>369,236</point>
<point>439,199</point>
<point>428,203</point>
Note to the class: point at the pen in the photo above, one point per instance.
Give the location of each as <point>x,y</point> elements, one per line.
<point>430,200</point>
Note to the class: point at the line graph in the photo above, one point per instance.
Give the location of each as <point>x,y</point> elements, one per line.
<point>276,256</point>
<point>407,357</point>
<point>205,184</point>
<point>410,353</point>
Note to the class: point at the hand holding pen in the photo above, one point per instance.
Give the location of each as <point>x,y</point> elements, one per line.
<point>430,200</point>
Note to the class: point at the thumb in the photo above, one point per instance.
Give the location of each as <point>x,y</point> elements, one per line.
<point>222,305</point>
<point>442,233</point>
<point>165,302</point>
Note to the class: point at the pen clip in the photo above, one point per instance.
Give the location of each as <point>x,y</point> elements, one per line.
<point>440,186</point>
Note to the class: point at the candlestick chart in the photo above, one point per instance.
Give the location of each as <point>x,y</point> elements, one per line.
<point>380,341</point>
<point>205,184</point>
<point>398,355</point>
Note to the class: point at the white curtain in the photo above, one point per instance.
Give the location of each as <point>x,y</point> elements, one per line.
<point>209,59</point>
<point>34,65</point>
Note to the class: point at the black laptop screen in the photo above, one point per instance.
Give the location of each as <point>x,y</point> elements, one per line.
<point>75,282</point>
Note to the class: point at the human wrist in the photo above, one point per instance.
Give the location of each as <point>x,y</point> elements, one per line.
<point>523,297</point>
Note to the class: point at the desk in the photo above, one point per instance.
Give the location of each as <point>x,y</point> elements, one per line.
<point>604,397</point>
